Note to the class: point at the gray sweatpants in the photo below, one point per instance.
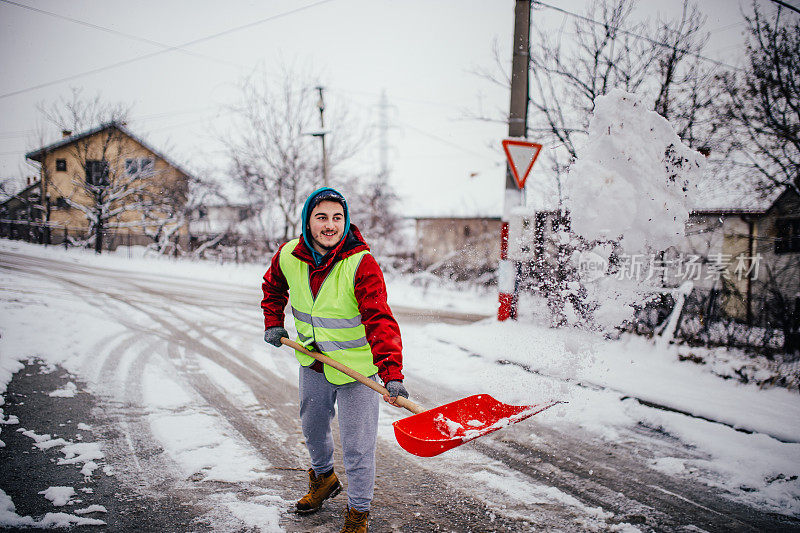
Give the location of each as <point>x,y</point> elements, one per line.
<point>358,427</point>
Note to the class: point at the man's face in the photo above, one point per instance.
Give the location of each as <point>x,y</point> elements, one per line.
<point>327,225</point>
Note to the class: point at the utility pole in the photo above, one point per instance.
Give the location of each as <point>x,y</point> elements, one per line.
<point>321,135</point>
<point>508,271</point>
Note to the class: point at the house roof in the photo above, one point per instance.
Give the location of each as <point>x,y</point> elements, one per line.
<point>446,217</point>
<point>728,212</point>
<point>21,196</point>
<point>787,193</point>
<point>733,191</point>
<point>36,155</point>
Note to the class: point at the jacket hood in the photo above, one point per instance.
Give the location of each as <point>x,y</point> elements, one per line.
<point>322,194</point>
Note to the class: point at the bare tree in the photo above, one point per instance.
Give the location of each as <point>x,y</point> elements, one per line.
<point>273,154</point>
<point>78,112</point>
<point>761,106</point>
<point>373,207</point>
<point>10,186</point>
<point>588,56</point>
<point>604,49</point>
<point>167,206</point>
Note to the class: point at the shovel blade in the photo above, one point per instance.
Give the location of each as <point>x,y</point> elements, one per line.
<point>442,428</point>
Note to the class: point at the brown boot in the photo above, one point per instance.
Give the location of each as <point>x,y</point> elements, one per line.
<point>319,489</point>
<point>355,521</point>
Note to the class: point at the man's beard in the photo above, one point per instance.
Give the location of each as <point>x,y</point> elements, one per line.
<point>326,248</point>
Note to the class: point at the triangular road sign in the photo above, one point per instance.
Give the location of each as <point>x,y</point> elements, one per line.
<point>521,157</point>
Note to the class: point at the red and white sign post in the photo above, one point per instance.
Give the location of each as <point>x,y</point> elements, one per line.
<point>521,155</point>
<point>519,165</point>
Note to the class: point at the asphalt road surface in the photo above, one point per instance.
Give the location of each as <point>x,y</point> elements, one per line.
<point>195,320</point>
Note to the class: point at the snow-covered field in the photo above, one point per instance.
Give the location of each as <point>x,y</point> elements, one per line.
<point>746,440</point>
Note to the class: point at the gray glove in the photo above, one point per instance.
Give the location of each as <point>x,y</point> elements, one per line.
<point>274,335</point>
<point>396,389</point>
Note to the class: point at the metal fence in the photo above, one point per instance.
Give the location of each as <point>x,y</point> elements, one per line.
<point>703,322</point>
<point>226,248</point>
<point>49,233</point>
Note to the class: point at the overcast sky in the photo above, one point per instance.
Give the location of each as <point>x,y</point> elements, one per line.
<point>423,53</point>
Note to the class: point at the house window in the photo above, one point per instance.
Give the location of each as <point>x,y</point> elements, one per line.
<point>61,165</point>
<point>788,236</point>
<point>97,172</point>
<point>140,166</point>
<point>61,203</point>
<point>467,231</point>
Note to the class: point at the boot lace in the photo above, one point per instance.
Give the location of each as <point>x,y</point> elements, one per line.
<point>354,521</point>
<point>315,483</point>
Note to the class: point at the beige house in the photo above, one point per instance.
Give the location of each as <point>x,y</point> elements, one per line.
<point>758,252</point>
<point>106,181</point>
<point>471,244</point>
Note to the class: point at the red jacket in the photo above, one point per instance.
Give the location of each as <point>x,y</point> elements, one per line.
<point>383,333</point>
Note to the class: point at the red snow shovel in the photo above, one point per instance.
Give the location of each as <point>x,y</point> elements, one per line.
<point>431,432</point>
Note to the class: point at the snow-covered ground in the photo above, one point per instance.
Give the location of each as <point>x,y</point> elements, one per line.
<point>747,440</point>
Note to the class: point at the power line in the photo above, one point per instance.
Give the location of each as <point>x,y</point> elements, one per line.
<point>344,91</point>
<point>90,25</point>
<point>445,141</point>
<point>117,32</point>
<point>787,6</point>
<point>636,35</point>
<point>169,49</point>
<point>343,94</point>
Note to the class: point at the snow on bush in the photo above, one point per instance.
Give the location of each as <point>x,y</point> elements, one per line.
<point>633,178</point>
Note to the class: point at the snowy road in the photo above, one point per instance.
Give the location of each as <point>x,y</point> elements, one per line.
<point>204,416</point>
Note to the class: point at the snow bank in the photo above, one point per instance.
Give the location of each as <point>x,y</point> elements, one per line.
<point>748,436</point>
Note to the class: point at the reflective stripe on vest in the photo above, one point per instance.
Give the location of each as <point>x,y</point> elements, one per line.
<point>331,320</point>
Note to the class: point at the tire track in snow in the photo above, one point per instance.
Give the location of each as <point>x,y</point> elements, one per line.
<point>207,388</point>
<point>567,465</point>
<point>424,489</point>
<point>149,470</point>
<point>463,513</point>
<point>136,432</point>
<point>272,449</point>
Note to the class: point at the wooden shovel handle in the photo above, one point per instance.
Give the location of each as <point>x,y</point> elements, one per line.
<point>380,389</point>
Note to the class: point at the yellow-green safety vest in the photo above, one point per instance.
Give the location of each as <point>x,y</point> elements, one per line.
<point>332,320</point>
